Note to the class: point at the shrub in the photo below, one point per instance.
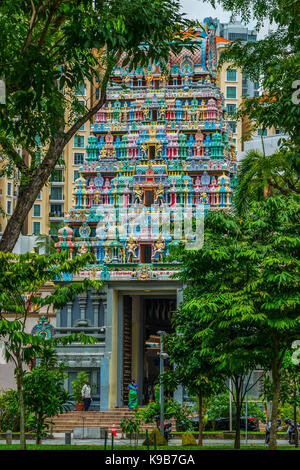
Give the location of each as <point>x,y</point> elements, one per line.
<point>77,385</point>
<point>188,439</point>
<point>10,412</point>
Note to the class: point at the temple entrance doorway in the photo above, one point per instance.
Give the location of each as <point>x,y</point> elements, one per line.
<point>143,314</point>
<point>157,314</point>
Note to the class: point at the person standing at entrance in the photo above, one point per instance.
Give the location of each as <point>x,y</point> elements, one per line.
<point>132,395</point>
<point>86,395</point>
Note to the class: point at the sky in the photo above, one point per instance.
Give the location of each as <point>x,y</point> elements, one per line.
<point>196,9</point>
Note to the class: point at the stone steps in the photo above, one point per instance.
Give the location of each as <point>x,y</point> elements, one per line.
<point>67,421</point>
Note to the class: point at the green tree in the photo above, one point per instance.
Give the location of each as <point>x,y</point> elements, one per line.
<point>289,388</point>
<point>46,243</point>
<point>44,393</point>
<point>218,407</point>
<point>10,412</point>
<point>77,385</point>
<point>273,61</point>
<point>49,47</point>
<point>243,290</point>
<point>261,176</point>
<point>22,279</point>
<point>191,370</point>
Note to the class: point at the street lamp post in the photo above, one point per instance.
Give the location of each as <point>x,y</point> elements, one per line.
<point>162,356</point>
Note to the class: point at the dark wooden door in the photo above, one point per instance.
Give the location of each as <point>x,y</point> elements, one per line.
<point>127,345</point>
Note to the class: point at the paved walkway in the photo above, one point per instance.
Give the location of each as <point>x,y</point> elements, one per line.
<point>59,439</point>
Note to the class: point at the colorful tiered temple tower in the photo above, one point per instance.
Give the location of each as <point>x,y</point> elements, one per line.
<point>160,147</point>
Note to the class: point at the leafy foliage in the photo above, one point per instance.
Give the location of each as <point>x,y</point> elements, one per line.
<point>261,176</point>
<point>44,393</point>
<point>132,425</point>
<point>218,407</point>
<point>172,409</point>
<point>49,48</point>
<point>243,290</point>
<point>273,61</point>
<point>77,385</point>
<point>10,412</point>
<point>22,279</point>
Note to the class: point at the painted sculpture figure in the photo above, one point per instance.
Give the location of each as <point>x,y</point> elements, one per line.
<point>132,395</point>
<point>159,148</point>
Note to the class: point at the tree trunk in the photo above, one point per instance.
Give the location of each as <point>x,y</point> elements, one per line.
<point>237,440</point>
<point>38,439</point>
<point>200,437</point>
<point>275,402</point>
<point>27,196</point>
<point>16,221</point>
<point>38,179</point>
<point>296,428</point>
<point>22,410</point>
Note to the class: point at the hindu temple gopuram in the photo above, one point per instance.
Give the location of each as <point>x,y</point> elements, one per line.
<point>160,150</point>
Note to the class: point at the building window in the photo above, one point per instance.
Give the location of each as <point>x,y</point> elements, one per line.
<point>78,158</point>
<point>56,193</point>
<point>60,161</point>
<point>149,197</point>
<point>56,210</point>
<point>152,152</point>
<point>231,75</point>
<point>256,93</point>
<point>39,196</point>
<point>76,175</point>
<point>231,108</point>
<point>231,92</point>
<point>8,207</point>
<point>36,210</point>
<point>57,176</point>
<point>78,141</point>
<point>261,132</point>
<point>234,36</point>
<point>9,189</point>
<point>97,93</point>
<point>146,253</point>
<point>232,126</point>
<point>82,103</point>
<point>154,114</point>
<point>36,228</point>
<point>80,90</point>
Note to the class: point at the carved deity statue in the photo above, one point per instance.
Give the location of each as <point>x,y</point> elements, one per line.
<point>144,149</point>
<point>138,193</point>
<point>83,248</point>
<point>159,148</point>
<point>159,196</point>
<point>131,246</point>
<point>149,80</point>
<point>158,248</point>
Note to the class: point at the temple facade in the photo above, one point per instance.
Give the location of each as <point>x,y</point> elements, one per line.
<point>159,157</point>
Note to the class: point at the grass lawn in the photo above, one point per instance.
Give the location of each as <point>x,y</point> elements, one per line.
<point>87,447</point>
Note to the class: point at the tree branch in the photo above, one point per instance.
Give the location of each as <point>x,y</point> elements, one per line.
<point>15,157</point>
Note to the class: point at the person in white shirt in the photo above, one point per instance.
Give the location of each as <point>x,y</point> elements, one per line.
<point>86,395</point>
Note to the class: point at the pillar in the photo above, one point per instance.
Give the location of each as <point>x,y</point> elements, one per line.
<point>104,383</point>
<point>120,353</point>
<point>178,393</point>
<point>82,304</point>
<point>69,314</point>
<point>96,300</point>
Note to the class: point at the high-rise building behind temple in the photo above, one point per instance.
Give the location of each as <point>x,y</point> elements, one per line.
<point>232,32</point>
